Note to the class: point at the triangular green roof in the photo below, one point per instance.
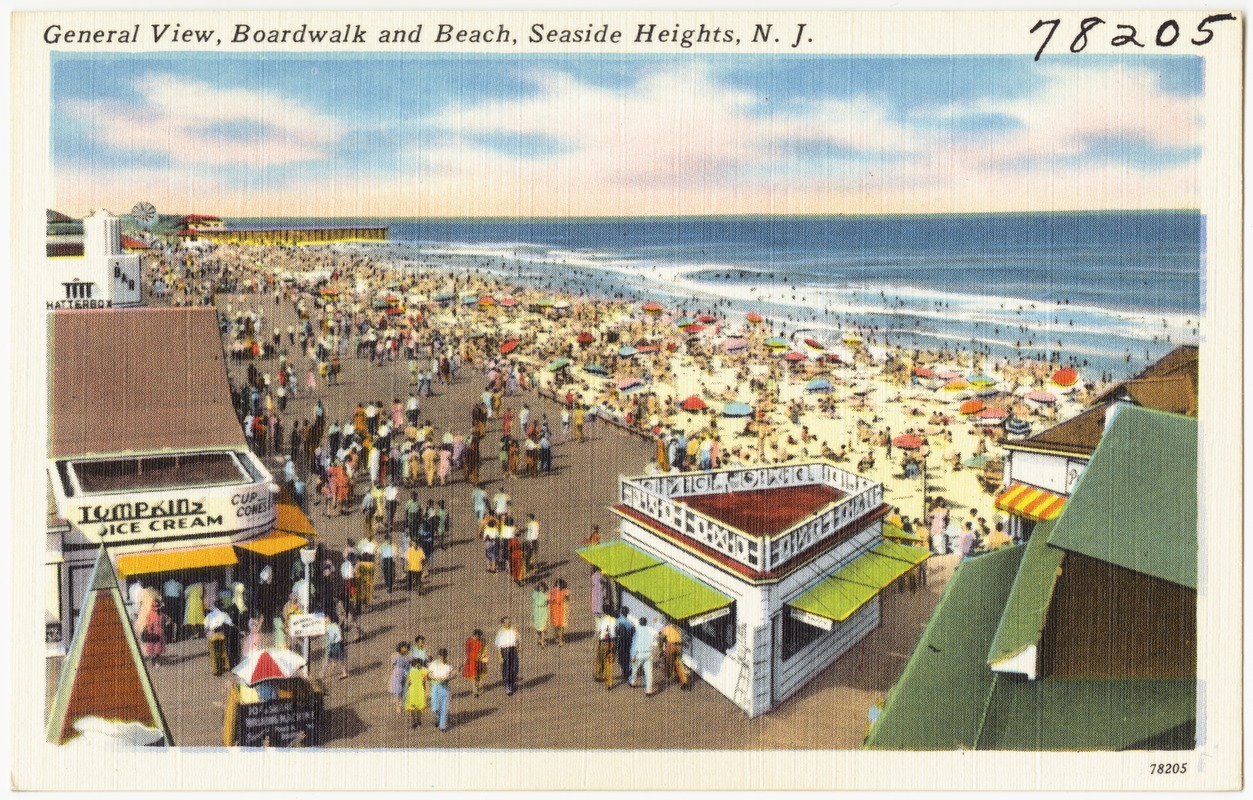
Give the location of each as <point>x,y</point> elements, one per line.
<point>1027,607</point>
<point>1135,506</point>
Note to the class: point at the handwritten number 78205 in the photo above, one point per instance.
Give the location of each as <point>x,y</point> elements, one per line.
<point>1166,35</point>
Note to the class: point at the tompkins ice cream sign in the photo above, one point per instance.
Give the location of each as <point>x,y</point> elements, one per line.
<point>173,515</point>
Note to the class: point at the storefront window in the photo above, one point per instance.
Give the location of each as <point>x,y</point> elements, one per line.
<point>718,633</point>
<point>797,635</point>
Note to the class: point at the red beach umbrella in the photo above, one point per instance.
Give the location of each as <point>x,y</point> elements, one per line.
<point>993,413</point>
<point>652,307</point>
<point>508,302</point>
<point>923,372</point>
<point>907,441</point>
<point>693,403</point>
<point>508,347</point>
<point>794,357</point>
<point>271,662</point>
<point>1066,376</point>
<point>706,318</point>
<point>1041,396</point>
<point>585,338</point>
<point>753,317</point>
<point>487,300</point>
<point>694,329</point>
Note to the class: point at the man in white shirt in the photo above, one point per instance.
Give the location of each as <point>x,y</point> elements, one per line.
<point>642,646</point>
<point>531,546</point>
<point>507,648</point>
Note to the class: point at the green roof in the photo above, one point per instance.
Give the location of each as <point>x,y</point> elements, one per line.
<point>1028,603</point>
<point>850,588</point>
<point>938,702</point>
<point>948,699</point>
<point>1087,713</point>
<point>675,594</point>
<point>1135,505</point>
<point>616,558</point>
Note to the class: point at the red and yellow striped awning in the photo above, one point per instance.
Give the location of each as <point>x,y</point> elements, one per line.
<point>1030,502</point>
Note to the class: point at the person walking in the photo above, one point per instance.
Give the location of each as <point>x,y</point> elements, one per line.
<point>558,609</point>
<point>672,640</point>
<point>606,627</point>
<point>531,544</point>
<point>643,647</point>
<point>624,633</point>
<point>416,690</point>
<point>439,675</point>
<point>539,611</point>
<point>336,650</point>
<point>387,560</point>
<point>507,650</point>
<point>400,668</point>
<point>475,666</point>
<point>415,563</point>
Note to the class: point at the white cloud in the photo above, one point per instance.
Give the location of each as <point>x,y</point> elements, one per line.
<point>193,122</point>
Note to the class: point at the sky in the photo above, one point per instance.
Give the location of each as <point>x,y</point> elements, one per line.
<point>418,135</point>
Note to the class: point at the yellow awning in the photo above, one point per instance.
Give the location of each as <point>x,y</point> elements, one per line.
<point>292,520</point>
<point>173,560</point>
<point>274,543</point>
<point>1030,502</point>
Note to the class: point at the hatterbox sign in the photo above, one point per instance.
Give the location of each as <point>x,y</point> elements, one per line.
<point>174,514</point>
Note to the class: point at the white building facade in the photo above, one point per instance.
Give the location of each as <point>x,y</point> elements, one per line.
<point>104,276</point>
<point>762,613</point>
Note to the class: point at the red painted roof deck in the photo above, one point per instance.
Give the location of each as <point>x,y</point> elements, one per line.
<point>764,512</point>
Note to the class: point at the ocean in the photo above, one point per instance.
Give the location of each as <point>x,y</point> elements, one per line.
<point>1109,291</point>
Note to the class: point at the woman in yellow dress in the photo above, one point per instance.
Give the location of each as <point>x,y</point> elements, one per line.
<point>416,691</point>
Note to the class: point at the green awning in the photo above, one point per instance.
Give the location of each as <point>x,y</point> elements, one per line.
<point>616,558</point>
<point>673,593</point>
<point>840,595</point>
<point>1026,609</point>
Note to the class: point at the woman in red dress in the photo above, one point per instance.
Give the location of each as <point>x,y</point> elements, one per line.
<point>476,661</point>
<point>517,564</point>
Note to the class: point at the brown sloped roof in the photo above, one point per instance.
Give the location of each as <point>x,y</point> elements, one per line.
<point>1079,435</point>
<point>1168,384</point>
<point>138,380</point>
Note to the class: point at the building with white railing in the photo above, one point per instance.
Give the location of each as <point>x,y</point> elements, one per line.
<point>772,572</point>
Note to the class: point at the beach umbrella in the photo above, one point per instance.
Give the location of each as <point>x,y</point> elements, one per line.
<point>907,441</point>
<point>545,302</point>
<point>737,409</point>
<point>393,311</point>
<point>1041,396</point>
<point>987,391</point>
<point>380,304</point>
<point>814,345</point>
<point>445,297</point>
<point>585,338</point>
<point>1066,376</point>
<point>947,374</point>
<point>508,302</point>
<point>268,663</point>
<point>706,318</point>
<point>558,363</point>
<point>487,300</point>
<point>818,385</point>
<point>393,284</point>
<point>852,338</point>
<point>776,343</point>
<point>216,618</point>
<point>626,384</point>
<point>923,372</point>
<point>329,292</point>
<point>956,385</point>
<point>469,299</point>
<point>626,351</point>
<point>734,345</point>
<point>794,357</point>
<point>392,299</point>
<point>994,414</point>
<point>693,403</point>
<point>1017,427</point>
<point>975,462</point>
<point>652,308</point>
<point>753,317</point>
<point>686,321</point>
<point>971,407</point>
<point>508,347</point>
<point>561,304</point>
<point>648,348</point>
<point>595,369</point>
<point>981,381</point>
<point>694,329</point>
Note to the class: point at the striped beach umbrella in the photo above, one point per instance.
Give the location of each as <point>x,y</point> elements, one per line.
<point>1017,427</point>
<point>685,322</point>
<point>267,664</point>
<point>595,369</point>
